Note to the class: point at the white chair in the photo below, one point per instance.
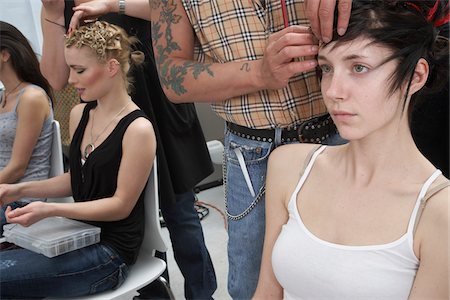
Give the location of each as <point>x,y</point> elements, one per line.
<point>147,267</point>
<point>56,160</point>
<point>215,149</point>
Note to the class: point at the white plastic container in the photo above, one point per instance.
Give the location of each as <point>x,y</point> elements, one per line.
<point>52,236</point>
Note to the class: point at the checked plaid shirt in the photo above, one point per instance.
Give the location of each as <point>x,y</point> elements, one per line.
<point>237,30</point>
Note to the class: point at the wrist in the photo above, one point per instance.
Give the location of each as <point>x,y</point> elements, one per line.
<point>258,78</point>
<point>55,23</point>
<point>22,188</point>
<point>113,6</point>
<point>57,18</point>
<point>121,6</point>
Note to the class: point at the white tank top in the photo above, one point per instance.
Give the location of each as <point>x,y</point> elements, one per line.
<point>308,267</point>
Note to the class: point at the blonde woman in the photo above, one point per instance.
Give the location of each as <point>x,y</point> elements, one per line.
<point>111,155</point>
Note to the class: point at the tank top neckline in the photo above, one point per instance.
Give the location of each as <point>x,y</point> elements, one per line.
<point>19,94</point>
<point>105,141</point>
<point>408,234</point>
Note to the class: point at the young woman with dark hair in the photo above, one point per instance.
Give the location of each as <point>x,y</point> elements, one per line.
<point>25,114</point>
<point>369,219</point>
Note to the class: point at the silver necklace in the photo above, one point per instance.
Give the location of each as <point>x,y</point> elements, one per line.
<point>5,95</point>
<point>91,146</point>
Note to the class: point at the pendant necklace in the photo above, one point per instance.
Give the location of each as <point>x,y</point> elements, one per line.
<point>5,95</point>
<point>91,146</point>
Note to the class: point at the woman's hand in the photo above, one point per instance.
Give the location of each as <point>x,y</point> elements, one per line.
<point>321,14</point>
<point>29,214</point>
<point>90,10</point>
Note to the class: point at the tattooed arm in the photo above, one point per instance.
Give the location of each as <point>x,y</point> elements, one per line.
<point>185,80</point>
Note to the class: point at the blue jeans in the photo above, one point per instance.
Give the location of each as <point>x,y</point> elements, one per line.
<point>189,247</point>
<point>93,269</point>
<point>13,205</point>
<point>245,203</point>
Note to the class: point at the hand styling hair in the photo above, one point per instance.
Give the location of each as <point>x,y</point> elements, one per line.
<point>412,30</point>
<point>108,41</point>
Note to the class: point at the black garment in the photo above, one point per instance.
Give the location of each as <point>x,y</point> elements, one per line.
<point>182,155</point>
<point>97,179</point>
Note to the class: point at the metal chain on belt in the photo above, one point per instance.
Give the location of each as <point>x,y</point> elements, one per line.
<point>240,216</point>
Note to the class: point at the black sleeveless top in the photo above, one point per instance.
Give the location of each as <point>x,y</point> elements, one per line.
<point>181,153</point>
<point>97,179</point>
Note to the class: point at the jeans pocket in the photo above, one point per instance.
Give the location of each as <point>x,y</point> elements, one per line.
<point>245,174</point>
<point>111,281</point>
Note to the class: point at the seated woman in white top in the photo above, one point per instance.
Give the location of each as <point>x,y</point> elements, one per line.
<point>350,225</point>
<point>25,115</point>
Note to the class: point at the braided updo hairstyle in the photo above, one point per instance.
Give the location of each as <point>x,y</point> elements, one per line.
<point>108,41</point>
<point>412,30</point>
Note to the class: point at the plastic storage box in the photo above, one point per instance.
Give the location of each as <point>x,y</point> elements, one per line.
<point>52,236</point>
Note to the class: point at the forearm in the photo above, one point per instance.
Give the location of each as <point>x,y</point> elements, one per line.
<point>105,209</point>
<point>55,187</point>
<point>133,8</point>
<point>53,64</point>
<point>11,174</point>
<point>188,81</point>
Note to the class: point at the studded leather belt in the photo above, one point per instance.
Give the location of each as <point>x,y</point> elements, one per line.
<point>315,130</point>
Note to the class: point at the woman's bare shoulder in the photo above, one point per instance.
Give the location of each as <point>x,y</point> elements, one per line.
<point>291,156</point>
<point>435,217</point>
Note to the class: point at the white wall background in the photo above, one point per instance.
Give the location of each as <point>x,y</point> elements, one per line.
<point>25,15</point>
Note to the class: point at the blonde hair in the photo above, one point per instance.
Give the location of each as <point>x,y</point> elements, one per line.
<point>108,41</point>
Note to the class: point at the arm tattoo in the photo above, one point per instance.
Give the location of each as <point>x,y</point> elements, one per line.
<point>154,4</point>
<point>172,75</point>
<point>245,67</point>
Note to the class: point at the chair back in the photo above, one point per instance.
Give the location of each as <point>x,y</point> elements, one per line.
<point>56,160</point>
<point>153,239</point>
<point>147,267</point>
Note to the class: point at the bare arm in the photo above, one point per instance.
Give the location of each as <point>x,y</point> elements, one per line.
<point>321,15</point>
<point>184,80</point>
<point>53,64</point>
<point>139,146</point>
<point>32,111</point>
<point>94,8</point>
<point>276,216</point>
<point>431,245</point>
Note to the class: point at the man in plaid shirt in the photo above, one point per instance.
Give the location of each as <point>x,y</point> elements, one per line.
<point>254,61</point>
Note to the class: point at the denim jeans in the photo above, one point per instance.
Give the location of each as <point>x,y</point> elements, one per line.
<point>13,205</point>
<point>189,247</point>
<point>93,269</point>
<point>245,203</point>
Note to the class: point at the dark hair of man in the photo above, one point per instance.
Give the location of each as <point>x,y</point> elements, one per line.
<point>411,29</point>
<point>23,58</point>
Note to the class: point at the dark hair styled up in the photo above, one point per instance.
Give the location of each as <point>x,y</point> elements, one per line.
<point>411,29</point>
<point>23,59</point>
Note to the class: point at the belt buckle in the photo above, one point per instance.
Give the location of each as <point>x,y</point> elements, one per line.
<point>301,137</point>
<point>319,129</point>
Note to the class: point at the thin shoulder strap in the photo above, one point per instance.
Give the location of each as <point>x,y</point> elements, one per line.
<point>309,157</point>
<point>18,98</point>
<point>424,200</point>
<point>309,162</point>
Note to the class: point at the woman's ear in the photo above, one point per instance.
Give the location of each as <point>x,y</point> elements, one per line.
<point>113,67</point>
<point>5,55</point>
<point>420,76</point>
